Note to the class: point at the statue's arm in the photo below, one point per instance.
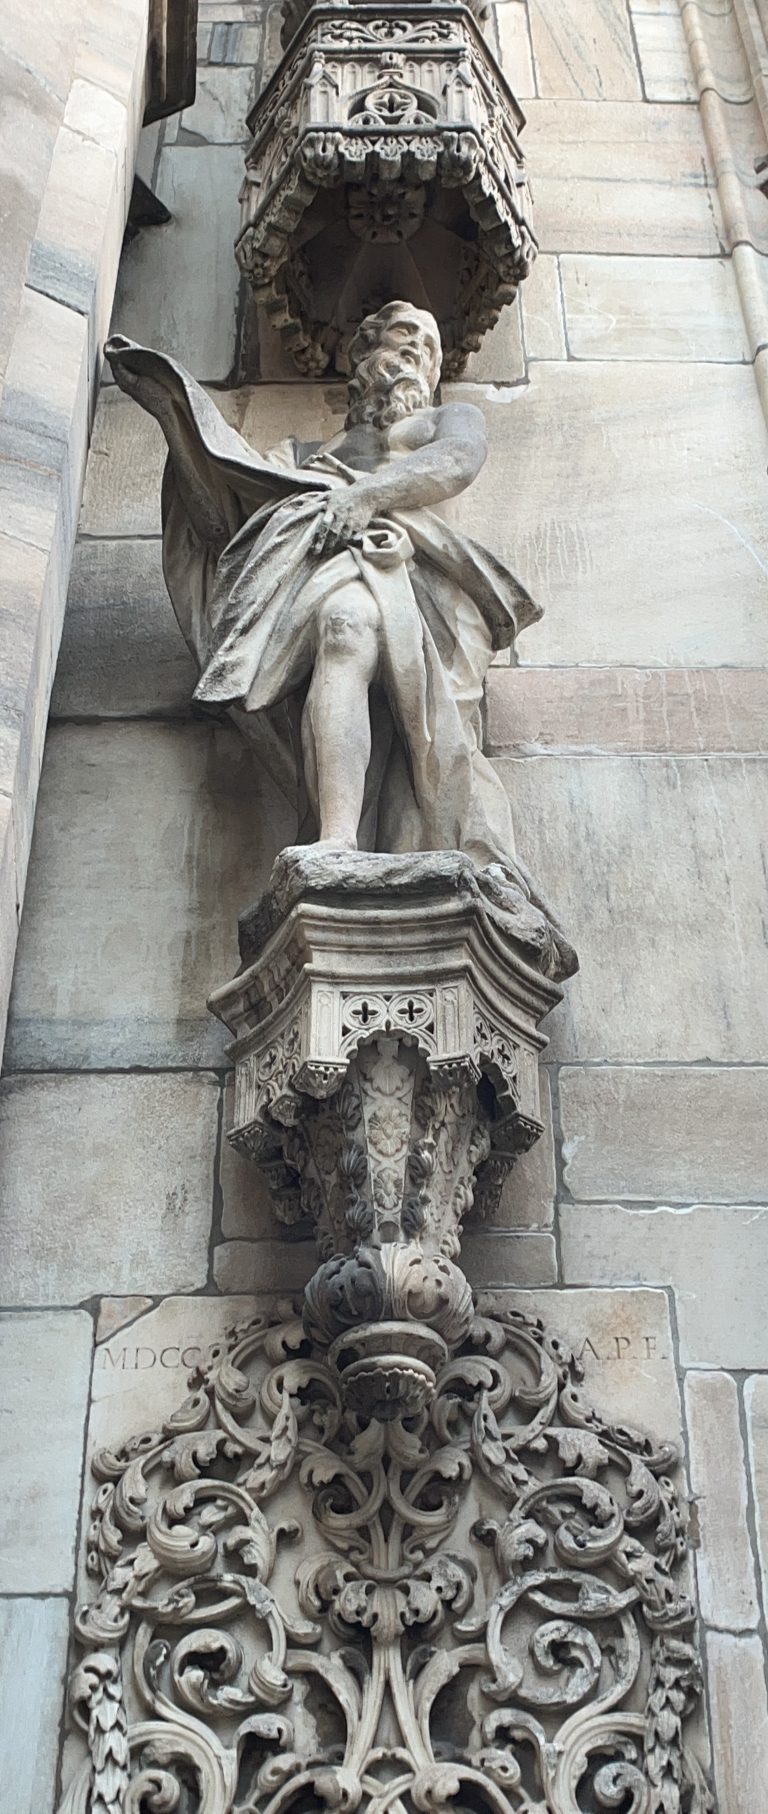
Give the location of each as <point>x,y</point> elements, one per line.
<point>441,469</point>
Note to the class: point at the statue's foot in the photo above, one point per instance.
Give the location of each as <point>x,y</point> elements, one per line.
<point>334,844</point>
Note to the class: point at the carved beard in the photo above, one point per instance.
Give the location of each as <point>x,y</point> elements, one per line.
<point>382,391</point>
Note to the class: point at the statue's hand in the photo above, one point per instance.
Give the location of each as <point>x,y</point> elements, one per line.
<point>346,515</point>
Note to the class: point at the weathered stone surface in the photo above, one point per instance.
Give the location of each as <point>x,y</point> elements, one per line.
<point>76,250</point>
<point>44,426</point>
<point>528,1193</point>
<point>516,1259</point>
<point>579,534</point>
<point>542,309</point>
<point>584,49</point>
<point>106,1183</point>
<point>271,1265</point>
<point>122,653</point>
<point>514,40</point>
<point>756,1408</point>
<point>628,711</point>
<point>224,97</point>
<point>122,486</point>
<point>663,52</point>
<point>674,820</point>
<point>715,1257</point>
<point>140,1373</point>
<point>33,1641</point>
<point>246,1211</point>
<point>619,175</point>
<point>499,358</point>
<point>176,828</point>
<point>724,1564</point>
<point>651,308</point>
<point>118,1313</point>
<point>32,112</point>
<point>622,1133</point>
<point>624,1342</point>
<point>165,284</point>
<point>45,1363</point>
<point>8,905</point>
<point>736,1678</point>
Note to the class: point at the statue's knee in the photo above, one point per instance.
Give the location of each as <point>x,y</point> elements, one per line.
<point>348,626</point>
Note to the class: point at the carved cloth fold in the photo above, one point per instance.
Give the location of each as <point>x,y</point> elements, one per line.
<point>246,584</point>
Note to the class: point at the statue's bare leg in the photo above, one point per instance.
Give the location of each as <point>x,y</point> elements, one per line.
<point>336,727</point>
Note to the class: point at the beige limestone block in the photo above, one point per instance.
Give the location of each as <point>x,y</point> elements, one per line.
<point>44,427</point>
<point>122,653</point>
<point>623,1340</point>
<point>125,466</point>
<point>271,1265</point>
<point>543,327</point>
<point>670,1134</point>
<point>76,251</point>
<point>756,1409</point>
<point>663,52</point>
<point>106,1184</point>
<point>140,1373</point>
<point>33,1643</point>
<point>499,358</point>
<point>627,711</point>
<point>29,121</point>
<point>225,94</point>
<point>167,278</point>
<point>118,1313</point>
<point>45,1364</point>
<point>618,176</point>
<point>27,625</point>
<point>652,308</point>
<point>739,1719</point>
<point>8,906</point>
<point>513,32</point>
<point>496,1258</point>
<point>528,1194</point>
<point>584,49</point>
<point>246,1213</point>
<point>672,968</point>
<point>725,1567</point>
<point>149,841</point>
<point>635,509</point>
<point>715,1257</point>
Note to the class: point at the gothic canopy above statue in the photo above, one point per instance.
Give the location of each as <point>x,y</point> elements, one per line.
<point>384,162</point>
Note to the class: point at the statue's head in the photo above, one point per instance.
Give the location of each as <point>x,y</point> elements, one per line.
<point>395,359</point>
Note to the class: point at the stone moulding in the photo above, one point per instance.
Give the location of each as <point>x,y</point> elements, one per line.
<point>475,1607</point>
<point>385,161</point>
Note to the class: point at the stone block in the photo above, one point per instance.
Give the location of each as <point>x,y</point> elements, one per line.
<point>76,250</point>
<point>225,94</point>
<point>528,1194</point>
<point>672,1134</point>
<point>497,1258</point>
<point>32,113</point>
<point>44,426</point>
<point>140,1373</point>
<point>652,308</point>
<point>168,277</point>
<point>9,897</point>
<point>739,1718</point>
<point>106,1183</point>
<point>499,358</point>
<point>33,1640</point>
<point>638,507</point>
<point>246,1211</point>
<point>272,1265</point>
<point>45,1365</point>
<point>623,1340</point>
<point>541,303</point>
<point>725,1568</point>
<point>584,49</point>
<point>176,828</point>
<point>621,175</point>
<point>756,1410</point>
<point>122,653</point>
<point>671,952</point>
<point>715,1257</point>
<point>627,711</point>
<point>514,39</point>
<point>127,455</point>
<point>663,52</point>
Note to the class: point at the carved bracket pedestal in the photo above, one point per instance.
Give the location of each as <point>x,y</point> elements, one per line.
<point>386,1074</point>
<point>385,162</point>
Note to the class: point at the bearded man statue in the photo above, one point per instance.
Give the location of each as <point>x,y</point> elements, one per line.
<point>316,586</point>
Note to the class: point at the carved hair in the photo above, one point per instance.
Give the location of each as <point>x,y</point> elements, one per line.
<point>382,387</point>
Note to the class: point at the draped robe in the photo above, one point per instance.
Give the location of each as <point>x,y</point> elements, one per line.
<point>247,583</point>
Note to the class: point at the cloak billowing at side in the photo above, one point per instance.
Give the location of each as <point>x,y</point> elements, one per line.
<point>247,584</point>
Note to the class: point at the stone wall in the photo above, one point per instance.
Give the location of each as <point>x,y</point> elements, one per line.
<point>626,485</point>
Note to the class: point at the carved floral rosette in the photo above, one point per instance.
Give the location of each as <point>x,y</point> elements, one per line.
<point>477,1608</point>
<point>385,159</point>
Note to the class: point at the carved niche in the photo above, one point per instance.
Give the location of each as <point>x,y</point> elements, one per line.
<point>384,161</point>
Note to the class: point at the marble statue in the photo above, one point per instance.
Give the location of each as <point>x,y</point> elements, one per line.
<point>317,585</point>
